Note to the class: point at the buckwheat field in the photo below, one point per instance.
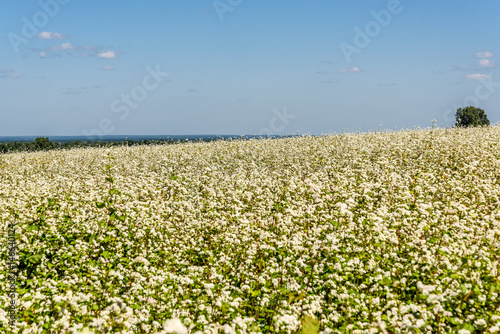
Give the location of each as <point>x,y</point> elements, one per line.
<point>393,232</point>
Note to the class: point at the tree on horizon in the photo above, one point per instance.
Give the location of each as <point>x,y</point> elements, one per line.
<point>471,116</point>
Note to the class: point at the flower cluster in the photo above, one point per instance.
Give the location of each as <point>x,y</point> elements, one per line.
<point>361,233</point>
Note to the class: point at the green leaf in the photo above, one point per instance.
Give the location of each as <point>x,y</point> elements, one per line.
<point>108,167</point>
<point>310,325</point>
<point>114,192</point>
<point>100,205</point>
<point>35,258</point>
<point>110,179</point>
<point>469,327</point>
<point>385,281</point>
<point>294,296</point>
<point>121,218</point>
<point>33,227</point>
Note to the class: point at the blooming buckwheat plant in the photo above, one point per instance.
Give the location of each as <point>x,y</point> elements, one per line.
<point>392,232</point>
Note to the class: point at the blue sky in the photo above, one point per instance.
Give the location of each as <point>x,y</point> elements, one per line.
<point>72,67</point>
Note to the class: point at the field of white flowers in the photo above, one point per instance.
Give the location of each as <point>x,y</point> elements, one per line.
<point>394,232</point>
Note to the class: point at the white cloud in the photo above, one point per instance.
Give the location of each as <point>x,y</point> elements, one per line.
<point>67,46</point>
<point>477,76</point>
<point>485,62</point>
<point>108,68</point>
<point>63,46</point>
<point>107,54</point>
<point>8,73</point>
<point>75,50</point>
<point>51,35</point>
<point>350,70</point>
<point>486,54</point>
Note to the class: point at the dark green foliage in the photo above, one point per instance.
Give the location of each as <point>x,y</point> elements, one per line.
<point>471,116</point>
<point>44,144</point>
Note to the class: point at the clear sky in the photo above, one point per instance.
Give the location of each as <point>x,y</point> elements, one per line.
<point>165,67</point>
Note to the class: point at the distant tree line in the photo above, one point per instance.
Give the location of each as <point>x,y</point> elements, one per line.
<point>44,144</point>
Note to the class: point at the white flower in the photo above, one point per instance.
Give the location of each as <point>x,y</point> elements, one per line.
<point>174,326</point>
<point>419,323</point>
<point>116,309</point>
<point>290,321</point>
<point>425,288</point>
<point>463,331</point>
<point>228,329</point>
<point>494,329</point>
<point>480,323</point>
<point>141,259</point>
